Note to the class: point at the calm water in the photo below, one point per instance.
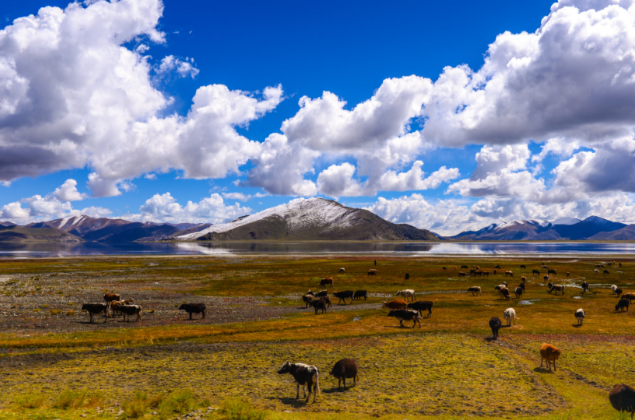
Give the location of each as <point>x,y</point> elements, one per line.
<point>405,249</point>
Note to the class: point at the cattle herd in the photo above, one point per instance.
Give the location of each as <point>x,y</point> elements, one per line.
<point>621,397</point>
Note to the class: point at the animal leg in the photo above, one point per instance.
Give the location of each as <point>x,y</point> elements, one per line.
<point>203,315</point>
<point>339,384</point>
<point>401,322</point>
<point>190,315</point>
<point>344,380</point>
<point>297,395</point>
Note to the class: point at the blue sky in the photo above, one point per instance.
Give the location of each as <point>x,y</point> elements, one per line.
<point>473,90</point>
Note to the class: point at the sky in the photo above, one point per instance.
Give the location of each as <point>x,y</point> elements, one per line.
<point>448,116</point>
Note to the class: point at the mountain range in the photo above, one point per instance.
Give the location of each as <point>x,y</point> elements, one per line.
<point>305,219</point>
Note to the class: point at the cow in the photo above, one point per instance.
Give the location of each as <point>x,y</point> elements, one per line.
<point>307,299</point>
<point>326,300</point>
<point>444,268</point>
<point>596,271</point>
<point>319,294</point>
<point>472,272</point>
<point>406,293</point>
<point>494,272</point>
<point>509,273</point>
<point>360,294</point>
<point>476,290</point>
<point>478,273</point>
<point>546,278</point>
<point>342,270</point>
<point>407,276</point>
<point>622,398</point>
<point>556,288</point>
<point>375,262</point>
<point>464,266</point>
<point>544,266</point>
<point>549,353</point>
<point>618,292</point>
<point>599,266</point>
<point>485,273</point>
<point>579,315</point>
<point>462,274</point>
<point>535,272</point>
<point>128,301</point>
<point>406,315</point>
<point>523,279</point>
<point>522,286</point>
<point>629,296</point>
<point>523,266</point>
<point>114,306</point>
<point>95,308</point>
<point>498,266</point>
<point>318,304</point>
<point>606,271</point>
<point>623,303</point>
<point>328,283</point>
<point>345,369</point>
<point>518,292</point>
<point>111,297</point>
<point>129,310</point>
<point>551,272</point>
<point>505,294</point>
<point>585,286</point>
<point>395,304</point>
<point>613,288</point>
<point>495,324</point>
<point>193,308</point>
<point>500,287</point>
<point>343,295</point>
<point>305,375</point>
<point>372,272</point>
<point>550,285</point>
<point>510,316</point>
<point>568,274</point>
<point>422,305</point>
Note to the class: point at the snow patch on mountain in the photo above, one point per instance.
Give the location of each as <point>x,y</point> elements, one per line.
<point>566,221</point>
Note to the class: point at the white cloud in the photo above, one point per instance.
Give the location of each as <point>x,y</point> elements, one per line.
<point>242,197</point>
<point>72,95</point>
<point>68,191</point>
<point>164,208</point>
<point>182,68</point>
<point>558,146</point>
<point>337,181</point>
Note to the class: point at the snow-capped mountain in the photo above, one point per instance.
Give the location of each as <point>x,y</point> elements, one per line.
<point>562,228</point>
<point>310,219</point>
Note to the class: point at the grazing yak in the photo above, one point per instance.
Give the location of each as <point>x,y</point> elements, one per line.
<point>372,272</point>
<point>556,288</point>
<point>551,272</point>
<point>421,305</point>
<point>360,294</point>
<point>327,300</point>
<point>549,353</point>
<point>522,286</point>
<point>585,286</point>
<point>485,273</point>
<point>613,288</point>
<point>599,266</point>
<point>622,398</point>
<point>535,272</point>
<point>629,296</point>
<point>406,294</point>
<point>111,297</point>
<point>395,304</point>
<point>319,304</point>
<point>546,278</point>
<point>407,276</point>
<point>509,273</point>
<point>345,369</point>
<point>510,315</point>
<point>319,294</point>
<point>618,292</point>
<point>307,299</point>
<point>464,266</point>
<point>498,266</point>
<point>95,308</point>
<point>623,303</point>
<point>462,274</point>
<point>579,315</point>
<point>114,307</point>
<point>305,375</point>
<point>130,310</point>
<point>343,295</point>
<point>495,324</point>
<point>406,315</point>
<point>606,271</point>
<point>596,271</point>
<point>518,292</point>
<point>326,283</point>
<point>568,274</point>
<point>523,279</point>
<point>193,308</point>
<point>476,290</point>
<point>505,294</point>
<point>522,266</point>
<point>500,287</point>
<point>342,270</point>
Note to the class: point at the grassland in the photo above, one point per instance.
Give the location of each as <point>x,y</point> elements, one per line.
<point>55,365</point>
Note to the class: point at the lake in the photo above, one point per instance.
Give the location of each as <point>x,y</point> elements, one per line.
<point>13,250</point>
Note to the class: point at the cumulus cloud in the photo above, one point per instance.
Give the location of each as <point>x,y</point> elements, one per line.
<point>164,208</point>
<point>242,197</point>
<point>73,95</point>
<point>52,206</point>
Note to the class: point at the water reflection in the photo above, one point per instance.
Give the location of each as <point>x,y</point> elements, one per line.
<point>21,250</point>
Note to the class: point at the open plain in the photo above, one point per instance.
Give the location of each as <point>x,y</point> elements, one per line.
<point>56,365</point>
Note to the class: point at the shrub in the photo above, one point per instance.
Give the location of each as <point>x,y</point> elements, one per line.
<point>44,306</point>
<point>70,313</point>
<point>239,409</point>
<point>70,398</point>
<point>29,400</point>
<point>55,311</point>
<point>177,402</point>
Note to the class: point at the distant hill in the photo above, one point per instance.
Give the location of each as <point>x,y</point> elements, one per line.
<point>17,233</point>
<point>131,232</point>
<point>523,230</point>
<point>80,225</point>
<point>625,234</point>
<point>310,219</point>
